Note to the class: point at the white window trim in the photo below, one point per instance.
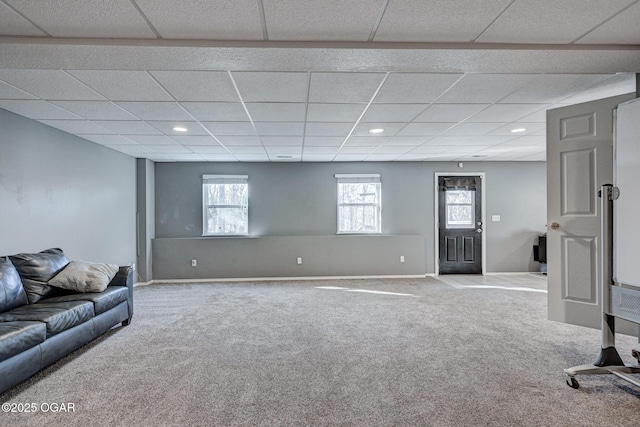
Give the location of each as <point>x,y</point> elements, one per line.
<point>359,178</point>
<point>217,179</point>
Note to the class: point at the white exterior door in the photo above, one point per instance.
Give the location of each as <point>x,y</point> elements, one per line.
<point>579,161</point>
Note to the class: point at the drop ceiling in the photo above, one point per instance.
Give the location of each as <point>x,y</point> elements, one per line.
<point>294,80</point>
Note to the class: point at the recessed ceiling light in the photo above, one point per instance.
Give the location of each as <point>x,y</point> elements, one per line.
<point>179,129</point>
<point>284,157</point>
<point>376,130</point>
<point>518,130</point>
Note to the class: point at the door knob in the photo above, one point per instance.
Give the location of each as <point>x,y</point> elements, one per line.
<point>479,230</point>
<point>555,225</point>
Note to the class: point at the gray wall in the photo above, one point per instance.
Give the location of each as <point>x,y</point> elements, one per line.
<point>292,212</point>
<point>145,216</point>
<point>58,190</point>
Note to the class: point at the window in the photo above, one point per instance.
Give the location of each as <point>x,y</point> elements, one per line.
<point>359,203</point>
<point>460,208</point>
<point>225,201</point>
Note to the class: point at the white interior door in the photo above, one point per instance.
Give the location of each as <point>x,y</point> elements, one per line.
<point>579,161</point>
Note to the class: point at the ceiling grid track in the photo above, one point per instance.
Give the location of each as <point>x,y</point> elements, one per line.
<point>146,19</point>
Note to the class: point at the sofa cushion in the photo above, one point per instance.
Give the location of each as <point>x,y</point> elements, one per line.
<point>102,301</point>
<point>83,276</point>
<point>58,316</point>
<point>37,269</point>
<point>12,292</point>
<point>16,337</point>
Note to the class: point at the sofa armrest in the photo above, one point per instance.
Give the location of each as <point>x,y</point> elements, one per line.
<point>124,277</point>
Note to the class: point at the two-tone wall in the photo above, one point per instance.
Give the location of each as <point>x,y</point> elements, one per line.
<point>292,213</point>
<point>58,190</point>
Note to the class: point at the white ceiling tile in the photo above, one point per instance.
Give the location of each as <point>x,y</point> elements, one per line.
<point>156,110</point>
<point>343,87</point>
<point>346,20</point>
<point>272,87</point>
<point>170,149</point>
<point>180,157</point>
<point>489,140</point>
<point>208,149</point>
<point>212,111</point>
<point>472,129</point>
<point>449,140</point>
<point>550,88</point>
<point>88,18</point>
<point>529,140</point>
<point>109,139</point>
<point>429,149</point>
<point>501,113</point>
<point>281,140</point>
<point>13,24</point>
<point>166,127</point>
<point>219,157</point>
<point>323,141</point>
<point>415,87</point>
<point>413,157</point>
<point>506,129</point>
<point>449,112</point>
<point>230,128</point>
<point>393,112</point>
<point>132,150</point>
<point>206,86</point>
<point>128,127</point>
<point>389,129</point>
<point>48,84</point>
<point>96,110</point>
<point>35,109</point>
<point>394,149</point>
<point>195,139</point>
<point>407,140</point>
<point>465,149</point>
<point>320,150</point>
<point>334,112</point>
<point>621,29</point>
<point>252,157</point>
<point>204,19</point>
<point>537,117</point>
<point>349,157</point>
<point>365,141</point>
<point>119,85</point>
<point>437,21</point>
<point>618,84</point>
<point>310,157</point>
<point>9,92</point>
<point>347,149</point>
<point>239,140</point>
<point>380,157</point>
<point>424,129</point>
<point>280,128</point>
<point>77,127</point>
<point>484,88</point>
<point>328,129</point>
<point>276,111</point>
<point>549,21</point>
<point>247,149</point>
<point>538,157</point>
<point>284,150</point>
<point>152,139</point>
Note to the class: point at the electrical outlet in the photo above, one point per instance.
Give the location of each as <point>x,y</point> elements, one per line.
<point>401,258</point>
<point>194,263</point>
<point>299,260</point>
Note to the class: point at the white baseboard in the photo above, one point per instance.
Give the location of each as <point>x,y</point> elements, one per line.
<point>274,279</point>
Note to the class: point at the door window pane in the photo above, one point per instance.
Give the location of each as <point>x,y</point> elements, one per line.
<point>460,209</point>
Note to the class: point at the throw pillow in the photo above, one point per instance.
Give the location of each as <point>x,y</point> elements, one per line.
<point>83,276</point>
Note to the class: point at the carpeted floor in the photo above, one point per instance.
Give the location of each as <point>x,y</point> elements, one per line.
<point>459,351</point>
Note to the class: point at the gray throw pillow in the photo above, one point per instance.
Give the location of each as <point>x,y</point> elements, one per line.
<point>83,276</point>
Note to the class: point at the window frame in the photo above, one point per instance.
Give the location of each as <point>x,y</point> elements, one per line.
<point>359,179</point>
<point>223,179</point>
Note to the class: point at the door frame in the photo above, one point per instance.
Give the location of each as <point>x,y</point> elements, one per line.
<point>436,234</point>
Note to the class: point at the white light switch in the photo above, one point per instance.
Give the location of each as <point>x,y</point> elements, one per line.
<point>495,218</point>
